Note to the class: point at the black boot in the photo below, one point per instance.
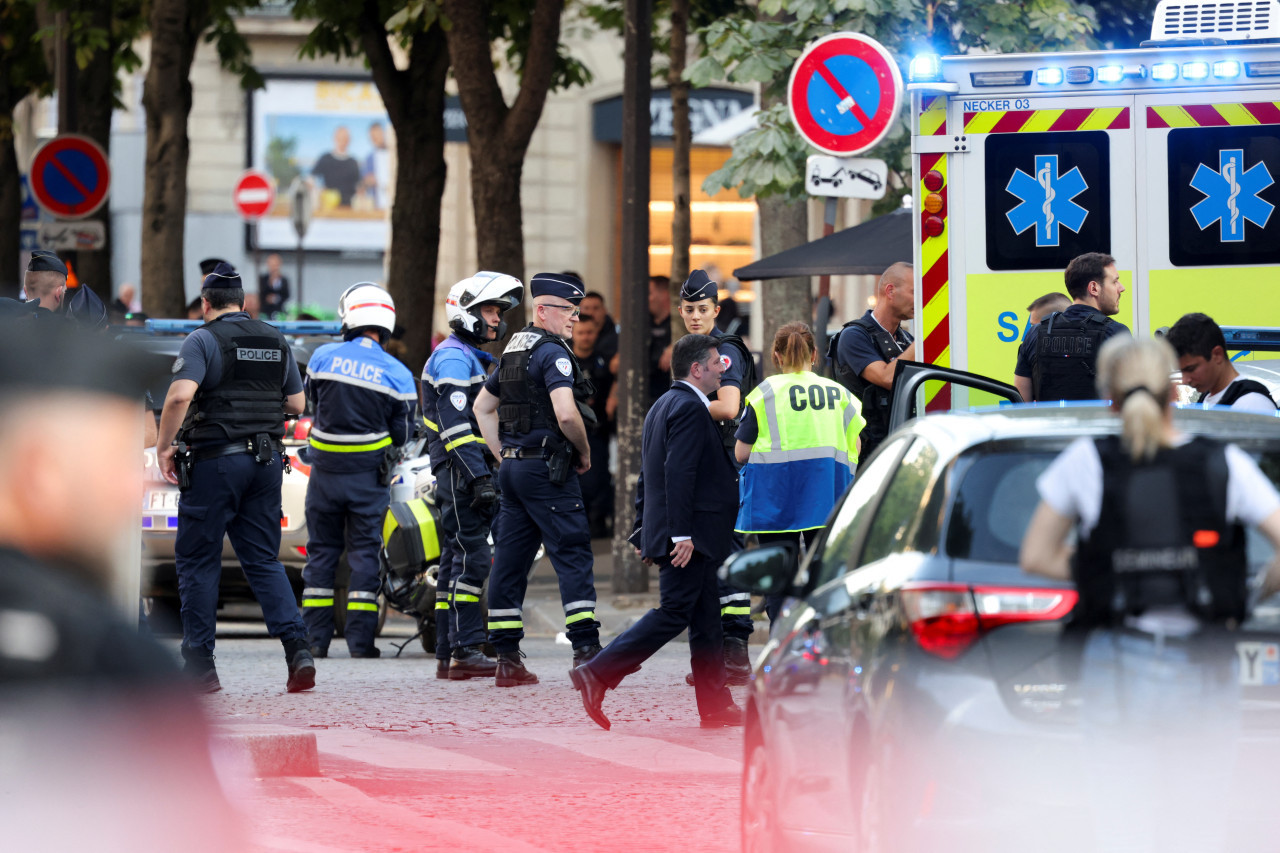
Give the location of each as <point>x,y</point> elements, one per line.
<point>442,668</point>
<point>471,662</point>
<point>302,667</point>
<point>737,661</point>
<point>511,670</point>
<point>200,669</point>
<point>582,654</point>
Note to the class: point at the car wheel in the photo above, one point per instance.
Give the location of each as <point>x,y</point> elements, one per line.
<point>427,633</point>
<point>870,810</point>
<point>759,804</point>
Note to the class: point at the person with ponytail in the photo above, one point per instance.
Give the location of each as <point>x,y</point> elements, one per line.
<point>799,438</point>
<point>1150,650</point>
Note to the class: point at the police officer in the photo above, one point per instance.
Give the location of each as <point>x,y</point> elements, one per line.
<point>1057,360</point>
<point>699,308</point>
<point>365,402</point>
<point>465,491</point>
<point>234,381</point>
<point>46,280</point>
<point>532,408</point>
<point>866,350</point>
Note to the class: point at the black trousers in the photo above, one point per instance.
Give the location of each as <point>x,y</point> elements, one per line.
<point>687,598</point>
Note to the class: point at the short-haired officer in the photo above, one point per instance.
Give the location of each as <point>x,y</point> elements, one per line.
<point>532,408</point>
<point>45,281</point>
<point>865,352</point>
<point>699,307</point>
<point>234,381</point>
<point>1206,367</point>
<point>465,491</point>
<point>365,402</point>
<point>1058,359</point>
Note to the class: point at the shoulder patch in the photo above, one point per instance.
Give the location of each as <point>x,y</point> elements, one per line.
<point>726,361</point>
<point>178,362</point>
<point>458,399</point>
<point>562,365</point>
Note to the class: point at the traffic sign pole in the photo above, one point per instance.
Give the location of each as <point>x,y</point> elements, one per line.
<point>254,194</point>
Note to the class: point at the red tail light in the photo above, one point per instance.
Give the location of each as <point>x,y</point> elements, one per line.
<point>946,618</point>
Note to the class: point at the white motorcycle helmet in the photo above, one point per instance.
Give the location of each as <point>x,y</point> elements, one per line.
<point>462,306</point>
<point>365,305</point>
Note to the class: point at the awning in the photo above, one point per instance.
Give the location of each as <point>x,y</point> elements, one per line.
<point>866,249</point>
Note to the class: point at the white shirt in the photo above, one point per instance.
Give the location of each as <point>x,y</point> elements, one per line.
<point>1072,486</point>
<point>1251,402</point>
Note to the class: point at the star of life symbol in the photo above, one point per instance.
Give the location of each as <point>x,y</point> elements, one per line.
<point>1046,200</point>
<point>1231,195</point>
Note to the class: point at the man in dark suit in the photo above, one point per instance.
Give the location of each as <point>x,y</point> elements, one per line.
<point>273,289</point>
<point>686,503</point>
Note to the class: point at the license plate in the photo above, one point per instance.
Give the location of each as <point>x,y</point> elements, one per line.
<point>166,499</point>
<point>1259,663</point>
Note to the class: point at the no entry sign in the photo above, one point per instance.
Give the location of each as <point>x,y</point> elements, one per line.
<point>844,94</point>
<point>70,176</point>
<point>254,194</point>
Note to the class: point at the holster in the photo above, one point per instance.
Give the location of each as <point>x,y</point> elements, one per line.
<point>559,460</point>
<point>390,459</point>
<point>264,448</point>
<point>182,463</point>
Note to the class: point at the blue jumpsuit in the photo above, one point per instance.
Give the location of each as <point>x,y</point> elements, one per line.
<point>451,379</point>
<point>534,511</point>
<point>365,401</point>
<point>236,497</point>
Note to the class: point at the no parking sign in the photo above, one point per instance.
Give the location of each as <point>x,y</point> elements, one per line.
<point>844,93</point>
<point>70,176</point>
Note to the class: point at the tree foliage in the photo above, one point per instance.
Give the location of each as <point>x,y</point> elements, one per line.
<point>760,46</point>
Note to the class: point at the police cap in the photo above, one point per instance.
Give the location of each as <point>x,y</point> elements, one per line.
<point>221,276</point>
<point>557,284</point>
<point>209,264</point>
<point>43,260</point>
<point>42,358</point>
<point>698,286</point>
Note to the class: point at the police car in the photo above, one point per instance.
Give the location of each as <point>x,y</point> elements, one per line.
<point>163,340</point>
<point>918,691</point>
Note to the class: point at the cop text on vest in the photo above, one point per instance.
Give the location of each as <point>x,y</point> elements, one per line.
<point>819,397</point>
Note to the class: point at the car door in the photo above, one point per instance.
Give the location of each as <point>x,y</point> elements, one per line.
<point>911,376</point>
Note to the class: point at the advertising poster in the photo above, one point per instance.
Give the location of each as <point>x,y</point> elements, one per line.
<point>335,136</point>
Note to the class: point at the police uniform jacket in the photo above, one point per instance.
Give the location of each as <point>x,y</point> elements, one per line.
<point>365,401</point>
<point>453,376</point>
<point>688,484</point>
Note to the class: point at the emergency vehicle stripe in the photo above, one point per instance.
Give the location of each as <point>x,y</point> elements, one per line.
<point>1214,115</point>
<point>935,294</point>
<point>1037,121</point>
<point>933,116</point>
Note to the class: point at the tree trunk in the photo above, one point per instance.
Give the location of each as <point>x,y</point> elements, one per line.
<point>497,134</point>
<point>414,98</point>
<point>94,105</point>
<point>681,143</point>
<point>175,27</point>
<point>783,225</point>
<point>629,574</point>
<point>10,210</point>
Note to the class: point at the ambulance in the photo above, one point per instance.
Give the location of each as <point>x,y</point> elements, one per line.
<point>1166,157</point>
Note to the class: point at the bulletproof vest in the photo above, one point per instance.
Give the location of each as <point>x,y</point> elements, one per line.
<point>249,396</point>
<point>1162,538</point>
<point>875,400</point>
<point>1238,389</point>
<point>728,429</point>
<point>1067,357</point>
<point>525,406</point>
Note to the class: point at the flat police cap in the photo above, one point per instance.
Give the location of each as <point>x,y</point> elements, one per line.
<point>698,286</point>
<point>557,284</point>
<point>58,356</point>
<point>223,275</point>
<point>43,260</point>
<point>208,265</point>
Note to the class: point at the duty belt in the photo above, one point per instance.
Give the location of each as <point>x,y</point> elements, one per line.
<point>200,454</point>
<point>525,453</point>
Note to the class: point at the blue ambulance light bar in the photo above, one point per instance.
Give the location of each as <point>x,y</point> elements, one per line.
<point>1163,72</point>
<point>1049,76</point>
<point>925,68</point>
<point>286,327</point>
<point>1254,338</point>
<point>1195,70</point>
<point>1226,69</point>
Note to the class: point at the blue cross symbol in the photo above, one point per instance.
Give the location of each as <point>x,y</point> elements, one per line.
<point>1231,195</point>
<point>1046,200</point>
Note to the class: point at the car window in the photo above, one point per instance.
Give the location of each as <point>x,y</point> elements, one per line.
<point>993,505</point>
<point>903,502</point>
<point>837,551</point>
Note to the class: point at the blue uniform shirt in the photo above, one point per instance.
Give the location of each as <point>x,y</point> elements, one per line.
<point>550,367</point>
<point>856,349</point>
<point>364,401</point>
<point>200,360</point>
<point>733,372</point>
<point>451,379</point>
